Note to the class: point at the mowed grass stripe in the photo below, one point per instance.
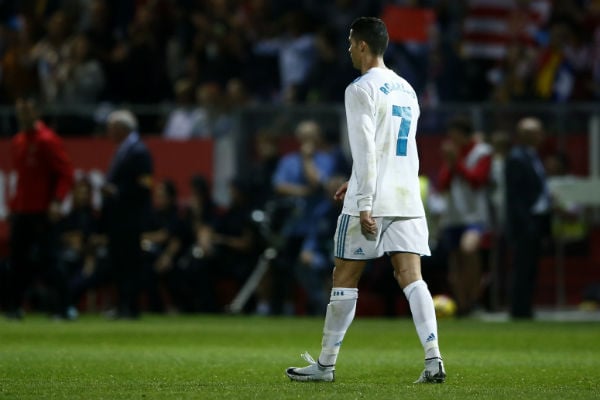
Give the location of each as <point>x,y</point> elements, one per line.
<point>242,357</point>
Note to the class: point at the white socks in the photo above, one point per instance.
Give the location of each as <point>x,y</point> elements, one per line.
<point>340,313</point>
<point>423,313</point>
<point>342,307</point>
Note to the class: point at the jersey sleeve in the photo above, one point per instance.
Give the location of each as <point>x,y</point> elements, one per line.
<point>360,116</point>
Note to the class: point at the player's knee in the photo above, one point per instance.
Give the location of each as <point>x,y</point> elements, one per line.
<point>345,277</point>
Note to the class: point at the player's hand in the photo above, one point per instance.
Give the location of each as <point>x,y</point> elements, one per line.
<point>368,225</point>
<point>340,193</point>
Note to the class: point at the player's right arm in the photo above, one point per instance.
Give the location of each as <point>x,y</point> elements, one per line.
<point>361,133</point>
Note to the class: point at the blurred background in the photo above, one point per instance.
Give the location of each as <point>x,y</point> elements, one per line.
<point>221,89</point>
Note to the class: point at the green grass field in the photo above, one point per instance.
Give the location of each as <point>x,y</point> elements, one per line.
<point>211,357</point>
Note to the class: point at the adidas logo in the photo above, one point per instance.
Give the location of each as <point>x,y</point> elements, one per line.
<point>430,338</point>
<point>359,252</point>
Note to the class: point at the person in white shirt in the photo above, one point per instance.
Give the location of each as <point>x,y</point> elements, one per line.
<point>383,211</point>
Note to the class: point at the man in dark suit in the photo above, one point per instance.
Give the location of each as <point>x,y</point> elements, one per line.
<point>527,213</point>
<point>127,197</point>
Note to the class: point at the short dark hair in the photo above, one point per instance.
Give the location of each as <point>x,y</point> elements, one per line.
<point>372,31</point>
<point>462,124</point>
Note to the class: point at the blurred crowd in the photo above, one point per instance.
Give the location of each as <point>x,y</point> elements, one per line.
<point>144,248</point>
<point>491,211</point>
<point>204,59</point>
<point>85,52</point>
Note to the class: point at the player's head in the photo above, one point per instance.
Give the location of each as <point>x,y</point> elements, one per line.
<point>120,123</point>
<point>26,113</point>
<point>368,36</point>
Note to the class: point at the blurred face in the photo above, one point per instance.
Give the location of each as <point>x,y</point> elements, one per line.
<point>537,137</point>
<point>81,194</point>
<point>457,137</point>
<point>161,198</point>
<point>265,148</point>
<point>57,27</point>
<point>80,48</point>
<point>26,114</point>
<point>115,132</point>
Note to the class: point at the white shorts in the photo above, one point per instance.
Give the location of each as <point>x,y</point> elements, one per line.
<point>394,234</point>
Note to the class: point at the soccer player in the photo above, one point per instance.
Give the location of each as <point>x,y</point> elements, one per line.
<point>383,211</point>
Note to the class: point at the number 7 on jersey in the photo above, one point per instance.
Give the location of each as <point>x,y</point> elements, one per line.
<point>406,117</point>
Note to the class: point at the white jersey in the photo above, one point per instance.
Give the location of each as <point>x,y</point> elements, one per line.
<point>382,111</point>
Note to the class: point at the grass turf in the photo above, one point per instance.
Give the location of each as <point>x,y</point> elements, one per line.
<point>210,357</point>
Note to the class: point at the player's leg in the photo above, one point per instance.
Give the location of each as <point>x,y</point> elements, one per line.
<point>342,302</point>
<point>341,308</point>
<point>340,314</point>
<point>407,270</point>
<point>405,240</point>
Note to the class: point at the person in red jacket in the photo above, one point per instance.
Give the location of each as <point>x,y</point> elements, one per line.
<point>463,179</point>
<point>44,178</point>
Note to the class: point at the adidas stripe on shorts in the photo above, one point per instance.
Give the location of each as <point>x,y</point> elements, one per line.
<point>394,234</point>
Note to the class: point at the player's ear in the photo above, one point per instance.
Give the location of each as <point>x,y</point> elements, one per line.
<point>364,46</point>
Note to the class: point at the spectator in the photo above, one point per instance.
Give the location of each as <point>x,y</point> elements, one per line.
<point>295,48</point>
<point>299,180</point>
<point>315,262</point>
<point>77,232</point>
<point>500,143</point>
<point>237,94</point>
<point>126,201</point>
<point>81,78</point>
<point>527,214</point>
<point>259,174</point>
<point>213,119</point>
<point>488,26</point>
<point>569,225</point>
<point>184,118</point>
<point>50,54</point>
<point>218,48</point>
<point>328,77</point>
<point>161,244</point>
<point>235,241</point>
<point>138,63</point>
<point>463,177</point>
<point>19,77</point>
<point>193,285</point>
<point>80,82</point>
<point>45,177</point>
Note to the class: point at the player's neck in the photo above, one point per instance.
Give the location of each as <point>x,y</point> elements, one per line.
<point>372,62</point>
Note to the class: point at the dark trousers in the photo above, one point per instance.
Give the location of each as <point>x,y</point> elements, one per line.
<point>33,254</point>
<point>526,247</point>
<point>127,268</point>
